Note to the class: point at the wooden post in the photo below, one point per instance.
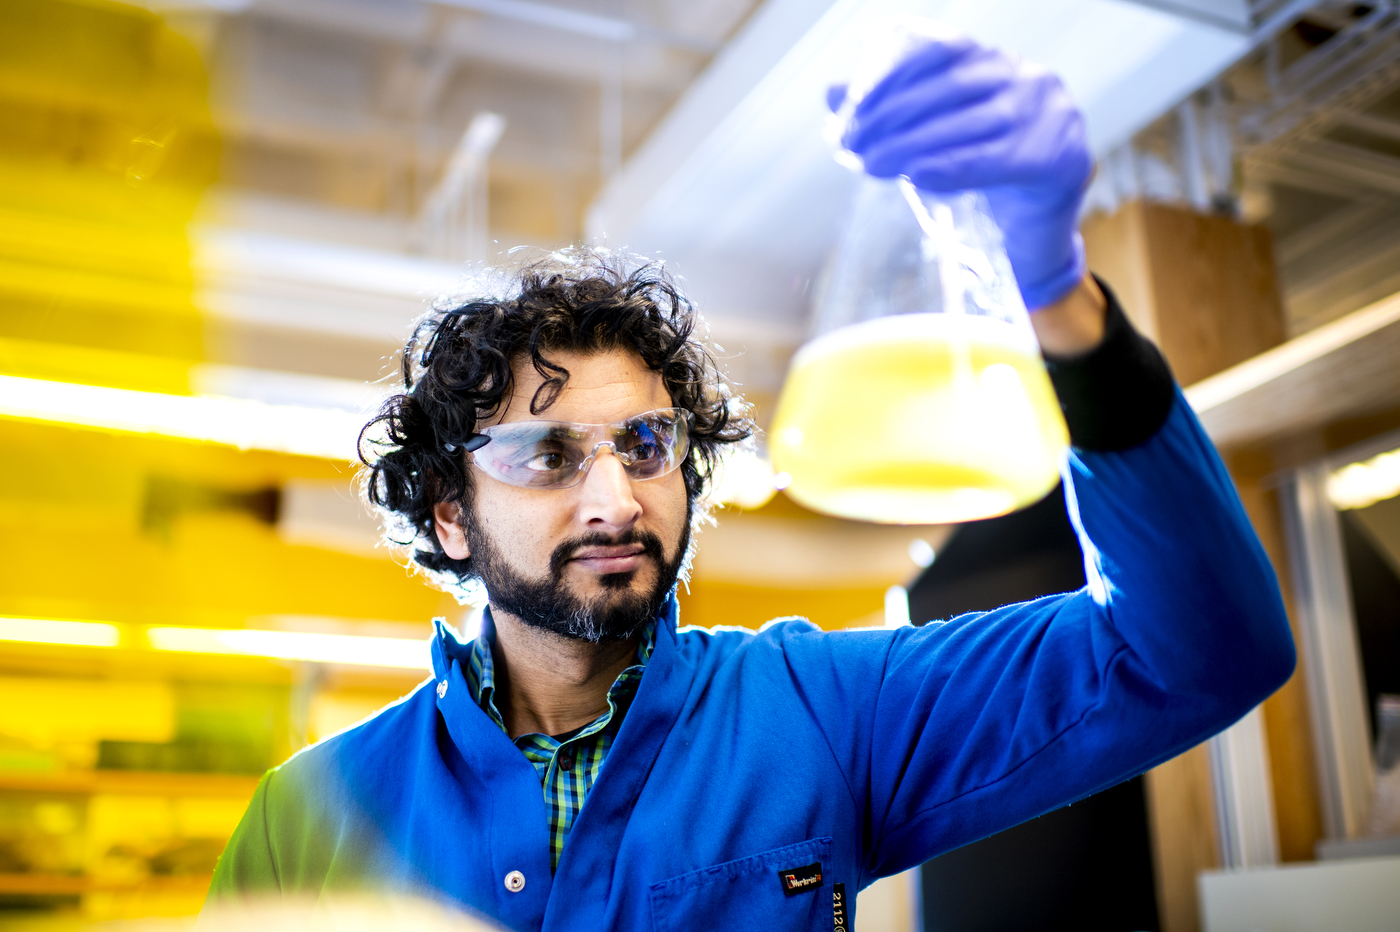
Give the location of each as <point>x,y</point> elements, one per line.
<point>1204,288</point>
<point>1297,803</point>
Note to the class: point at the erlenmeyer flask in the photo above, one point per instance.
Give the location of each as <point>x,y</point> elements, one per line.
<point>922,397</point>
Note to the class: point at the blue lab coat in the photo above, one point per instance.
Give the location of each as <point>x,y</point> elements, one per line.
<point>747,756</point>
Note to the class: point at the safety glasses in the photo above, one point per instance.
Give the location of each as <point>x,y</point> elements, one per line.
<point>556,455</point>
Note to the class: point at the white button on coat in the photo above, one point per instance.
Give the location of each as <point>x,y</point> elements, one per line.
<point>442,689</point>
<point>515,881</point>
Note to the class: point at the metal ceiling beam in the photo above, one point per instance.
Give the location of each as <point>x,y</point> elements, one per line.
<point>1376,126</point>
<point>1273,169</point>
<point>1195,14</point>
<point>1282,18</point>
<point>1335,227</point>
<point>1340,76</point>
<point>1263,27</point>
<point>1349,163</point>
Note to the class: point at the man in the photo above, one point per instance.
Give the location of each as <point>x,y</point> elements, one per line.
<point>553,444</point>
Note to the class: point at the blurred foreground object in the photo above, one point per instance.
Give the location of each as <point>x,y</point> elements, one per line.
<point>340,914</point>
<point>923,398</point>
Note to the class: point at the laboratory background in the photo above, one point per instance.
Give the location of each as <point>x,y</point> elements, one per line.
<point>219,220</point>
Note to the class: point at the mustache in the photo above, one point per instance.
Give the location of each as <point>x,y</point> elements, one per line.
<point>650,543</point>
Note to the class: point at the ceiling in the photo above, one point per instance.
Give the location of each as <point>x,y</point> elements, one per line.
<point>689,130</point>
<point>693,131</point>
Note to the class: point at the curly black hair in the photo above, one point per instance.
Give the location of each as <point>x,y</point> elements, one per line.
<point>457,370</point>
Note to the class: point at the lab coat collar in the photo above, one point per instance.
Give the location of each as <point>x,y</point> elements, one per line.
<point>665,683</point>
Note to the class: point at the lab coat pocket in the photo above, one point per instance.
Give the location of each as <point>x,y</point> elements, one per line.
<point>784,889</point>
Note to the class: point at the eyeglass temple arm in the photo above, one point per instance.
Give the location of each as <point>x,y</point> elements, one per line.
<point>471,444</point>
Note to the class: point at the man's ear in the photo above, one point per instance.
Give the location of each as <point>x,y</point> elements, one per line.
<point>447,522</point>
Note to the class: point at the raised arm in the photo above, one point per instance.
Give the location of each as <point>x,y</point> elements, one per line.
<point>992,718</point>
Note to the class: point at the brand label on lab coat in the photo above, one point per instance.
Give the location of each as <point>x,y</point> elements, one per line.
<point>801,879</point>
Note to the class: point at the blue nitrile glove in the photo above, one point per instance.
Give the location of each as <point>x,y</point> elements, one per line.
<point>953,115</point>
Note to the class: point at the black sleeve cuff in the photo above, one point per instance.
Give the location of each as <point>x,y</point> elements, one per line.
<point>1118,394</point>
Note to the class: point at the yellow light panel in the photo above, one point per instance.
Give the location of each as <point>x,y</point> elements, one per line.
<point>44,711</point>
<point>321,432</point>
<point>403,653</point>
<point>51,631</point>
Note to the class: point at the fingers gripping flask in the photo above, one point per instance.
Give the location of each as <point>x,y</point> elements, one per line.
<point>921,397</point>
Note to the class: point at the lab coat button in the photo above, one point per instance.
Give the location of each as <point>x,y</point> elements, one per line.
<point>442,689</point>
<point>515,881</point>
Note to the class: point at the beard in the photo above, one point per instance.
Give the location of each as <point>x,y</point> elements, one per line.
<point>619,613</point>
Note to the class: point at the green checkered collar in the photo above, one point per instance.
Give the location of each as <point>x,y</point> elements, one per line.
<point>479,672</point>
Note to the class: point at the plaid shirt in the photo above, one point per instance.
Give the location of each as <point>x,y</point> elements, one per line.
<point>567,764</point>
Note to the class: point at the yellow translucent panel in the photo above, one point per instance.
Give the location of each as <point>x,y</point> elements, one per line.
<point>94,366</point>
<point>107,146</point>
<point>212,567</point>
<point>44,711</point>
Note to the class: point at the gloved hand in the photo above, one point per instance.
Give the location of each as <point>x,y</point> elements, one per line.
<point>953,115</point>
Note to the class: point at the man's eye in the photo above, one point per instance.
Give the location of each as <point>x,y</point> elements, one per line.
<point>551,461</point>
<point>646,450</point>
<point>645,442</point>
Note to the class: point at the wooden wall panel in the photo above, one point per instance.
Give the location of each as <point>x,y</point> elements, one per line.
<point>1214,289</point>
<point>1117,249</point>
<point>1204,288</point>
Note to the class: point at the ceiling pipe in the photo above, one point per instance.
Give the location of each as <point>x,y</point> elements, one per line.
<point>455,213</point>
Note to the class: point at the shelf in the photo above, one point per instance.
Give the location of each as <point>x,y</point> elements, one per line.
<point>129,783</point>
<point>76,885</point>
<point>1342,369</point>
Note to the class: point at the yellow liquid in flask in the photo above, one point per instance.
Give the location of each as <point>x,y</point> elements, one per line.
<point>919,419</point>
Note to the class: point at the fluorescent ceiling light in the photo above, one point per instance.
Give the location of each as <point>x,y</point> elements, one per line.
<point>1362,484</point>
<point>404,653</point>
<point>359,650</point>
<point>50,631</point>
<point>275,387</point>
<point>242,423</point>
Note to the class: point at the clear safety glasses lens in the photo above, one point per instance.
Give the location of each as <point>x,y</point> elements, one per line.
<point>556,455</point>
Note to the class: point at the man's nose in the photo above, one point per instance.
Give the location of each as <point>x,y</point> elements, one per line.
<point>607,500</point>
